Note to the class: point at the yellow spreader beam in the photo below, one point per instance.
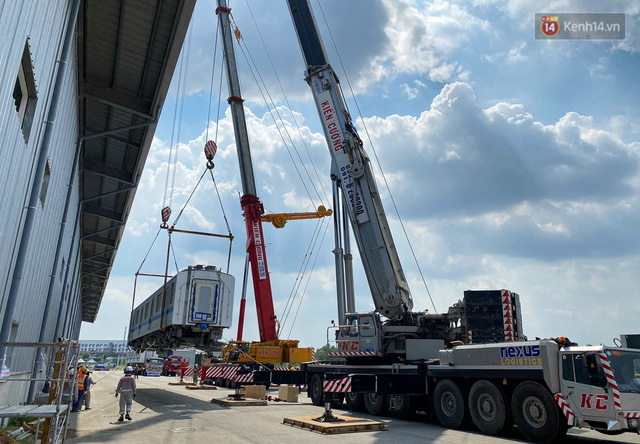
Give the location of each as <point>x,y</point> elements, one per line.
<point>280,219</point>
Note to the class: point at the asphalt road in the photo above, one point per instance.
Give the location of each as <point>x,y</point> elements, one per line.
<point>171,414</point>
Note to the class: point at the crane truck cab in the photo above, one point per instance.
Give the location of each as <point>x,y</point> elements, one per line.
<point>360,334</point>
<point>236,351</point>
<point>602,386</point>
<point>552,384</point>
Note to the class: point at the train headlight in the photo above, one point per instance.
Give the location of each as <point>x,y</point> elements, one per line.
<point>634,423</point>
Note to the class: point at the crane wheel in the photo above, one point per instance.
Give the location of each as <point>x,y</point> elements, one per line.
<point>316,390</point>
<point>536,413</point>
<point>401,407</point>
<point>354,401</point>
<point>375,403</point>
<point>488,408</point>
<point>449,404</point>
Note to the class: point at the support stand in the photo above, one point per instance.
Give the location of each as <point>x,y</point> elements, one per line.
<point>238,395</point>
<point>328,415</point>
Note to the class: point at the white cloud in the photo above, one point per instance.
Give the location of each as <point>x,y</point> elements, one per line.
<point>521,13</point>
<point>560,184</point>
<point>409,92</point>
<point>421,39</point>
<point>512,56</point>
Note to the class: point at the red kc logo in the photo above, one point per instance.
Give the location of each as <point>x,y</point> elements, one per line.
<point>590,401</point>
<point>349,346</point>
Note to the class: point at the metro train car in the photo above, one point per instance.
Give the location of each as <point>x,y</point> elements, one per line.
<point>196,307</point>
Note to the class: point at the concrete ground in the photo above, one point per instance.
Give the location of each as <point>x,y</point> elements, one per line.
<point>164,413</point>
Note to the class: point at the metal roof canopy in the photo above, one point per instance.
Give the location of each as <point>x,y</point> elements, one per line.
<point>127,53</point>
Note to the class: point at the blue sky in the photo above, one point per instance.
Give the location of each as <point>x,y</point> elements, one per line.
<point>513,161</point>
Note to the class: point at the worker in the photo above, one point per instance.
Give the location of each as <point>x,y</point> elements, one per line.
<point>127,388</point>
<point>86,397</point>
<point>136,371</point>
<point>80,382</point>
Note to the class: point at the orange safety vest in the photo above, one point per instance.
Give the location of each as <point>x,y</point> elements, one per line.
<point>80,379</point>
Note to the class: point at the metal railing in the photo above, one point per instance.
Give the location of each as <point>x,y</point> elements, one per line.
<point>62,356</point>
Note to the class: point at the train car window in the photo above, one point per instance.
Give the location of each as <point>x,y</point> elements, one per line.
<point>171,292</point>
<point>203,302</point>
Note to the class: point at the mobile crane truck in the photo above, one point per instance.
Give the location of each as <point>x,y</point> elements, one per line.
<point>471,363</point>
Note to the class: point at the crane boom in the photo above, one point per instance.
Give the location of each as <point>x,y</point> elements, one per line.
<point>351,168</point>
<point>251,206</point>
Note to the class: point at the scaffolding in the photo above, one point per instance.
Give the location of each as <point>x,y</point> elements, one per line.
<point>63,356</point>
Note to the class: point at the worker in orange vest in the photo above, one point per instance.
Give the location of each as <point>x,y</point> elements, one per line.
<point>82,373</point>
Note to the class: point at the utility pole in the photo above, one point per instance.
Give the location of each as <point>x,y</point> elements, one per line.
<point>124,350</point>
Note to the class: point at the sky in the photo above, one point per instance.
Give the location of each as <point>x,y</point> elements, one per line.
<point>510,162</point>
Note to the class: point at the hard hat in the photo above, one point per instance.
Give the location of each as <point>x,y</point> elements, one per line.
<point>83,369</point>
<point>129,369</point>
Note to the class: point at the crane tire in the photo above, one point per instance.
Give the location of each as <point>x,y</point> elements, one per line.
<point>401,406</point>
<point>316,390</point>
<point>449,404</point>
<point>536,413</point>
<point>375,403</point>
<point>354,401</point>
<point>488,408</point>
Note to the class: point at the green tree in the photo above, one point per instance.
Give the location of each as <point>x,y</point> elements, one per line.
<point>322,354</point>
<point>110,351</point>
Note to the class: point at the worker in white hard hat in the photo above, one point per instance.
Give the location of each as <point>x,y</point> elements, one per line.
<point>126,388</point>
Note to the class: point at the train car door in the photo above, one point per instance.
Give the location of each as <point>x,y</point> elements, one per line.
<point>204,303</point>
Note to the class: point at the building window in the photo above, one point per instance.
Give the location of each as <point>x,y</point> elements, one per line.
<point>45,183</point>
<point>25,94</point>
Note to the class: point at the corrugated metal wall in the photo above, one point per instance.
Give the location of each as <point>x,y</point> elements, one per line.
<point>43,23</point>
